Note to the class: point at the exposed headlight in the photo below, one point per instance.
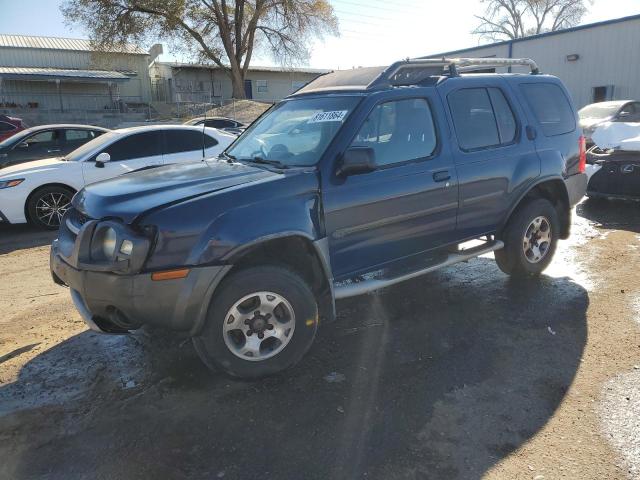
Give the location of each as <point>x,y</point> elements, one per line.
<point>114,247</point>
<point>103,244</point>
<point>11,183</point>
<point>109,239</point>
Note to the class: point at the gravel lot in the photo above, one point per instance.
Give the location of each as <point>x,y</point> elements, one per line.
<point>460,374</point>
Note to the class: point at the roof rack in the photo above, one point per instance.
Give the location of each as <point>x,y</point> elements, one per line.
<point>413,71</point>
<point>417,71</point>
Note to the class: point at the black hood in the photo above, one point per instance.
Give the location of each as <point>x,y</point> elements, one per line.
<point>130,195</point>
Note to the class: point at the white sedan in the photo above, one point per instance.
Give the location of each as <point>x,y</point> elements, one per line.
<point>40,191</point>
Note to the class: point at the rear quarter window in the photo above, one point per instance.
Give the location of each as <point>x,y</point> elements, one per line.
<point>551,108</point>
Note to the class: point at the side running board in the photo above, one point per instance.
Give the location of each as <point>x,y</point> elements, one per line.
<point>353,288</point>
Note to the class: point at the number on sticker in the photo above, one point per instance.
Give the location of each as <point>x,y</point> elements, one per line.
<point>334,116</point>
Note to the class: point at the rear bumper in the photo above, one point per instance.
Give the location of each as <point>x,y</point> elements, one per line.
<point>576,187</point>
<point>114,303</point>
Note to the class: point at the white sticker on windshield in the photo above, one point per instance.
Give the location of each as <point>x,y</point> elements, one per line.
<point>335,116</point>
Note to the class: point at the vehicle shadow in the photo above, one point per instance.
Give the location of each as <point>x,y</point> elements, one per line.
<point>611,214</point>
<point>20,237</point>
<point>440,377</point>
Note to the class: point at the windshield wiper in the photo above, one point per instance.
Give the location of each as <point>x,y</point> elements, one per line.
<point>230,158</point>
<point>264,161</point>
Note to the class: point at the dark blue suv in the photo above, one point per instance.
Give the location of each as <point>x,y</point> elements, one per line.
<point>361,179</point>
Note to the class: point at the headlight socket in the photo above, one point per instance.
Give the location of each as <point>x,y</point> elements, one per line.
<point>119,246</point>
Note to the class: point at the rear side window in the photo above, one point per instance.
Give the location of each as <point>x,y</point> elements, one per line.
<point>178,141</point>
<point>80,135</point>
<point>219,123</point>
<point>209,141</point>
<point>473,118</point>
<point>134,146</point>
<point>551,108</point>
<point>399,131</point>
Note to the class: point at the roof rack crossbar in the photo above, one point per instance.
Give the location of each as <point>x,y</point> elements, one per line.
<point>404,71</point>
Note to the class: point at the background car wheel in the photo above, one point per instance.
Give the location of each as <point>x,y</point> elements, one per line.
<point>47,205</point>
<point>261,321</point>
<point>530,239</point>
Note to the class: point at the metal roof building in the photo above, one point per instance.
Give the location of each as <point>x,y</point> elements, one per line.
<point>194,82</point>
<point>65,74</point>
<point>597,62</point>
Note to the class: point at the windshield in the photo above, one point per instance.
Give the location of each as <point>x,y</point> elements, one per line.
<point>13,139</point>
<point>599,110</point>
<point>295,132</point>
<point>79,153</point>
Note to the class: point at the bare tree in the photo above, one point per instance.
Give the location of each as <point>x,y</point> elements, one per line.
<point>227,33</point>
<point>511,19</point>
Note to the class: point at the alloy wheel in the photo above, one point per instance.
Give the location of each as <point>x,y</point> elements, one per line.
<point>51,207</point>
<point>259,326</point>
<point>537,239</point>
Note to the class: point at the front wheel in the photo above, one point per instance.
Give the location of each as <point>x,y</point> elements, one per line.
<point>530,239</point>
<point>261,321</point>
<point>47,205</point>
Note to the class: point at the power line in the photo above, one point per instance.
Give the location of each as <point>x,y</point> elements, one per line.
<point>340,12</point>
<point>350,21</point>
<point>364,5</point>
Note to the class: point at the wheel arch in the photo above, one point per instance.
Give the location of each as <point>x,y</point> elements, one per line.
<point>299,253</point>
<point>40,187</point>
<point>555,191</point>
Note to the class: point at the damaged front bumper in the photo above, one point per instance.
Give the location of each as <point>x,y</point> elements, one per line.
<point>113,303</point>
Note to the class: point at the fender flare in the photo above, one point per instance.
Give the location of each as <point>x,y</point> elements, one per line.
<point>538,182</point>
<point>320,247</point>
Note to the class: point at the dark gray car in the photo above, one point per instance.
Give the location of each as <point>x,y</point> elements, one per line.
<point>46,141</point>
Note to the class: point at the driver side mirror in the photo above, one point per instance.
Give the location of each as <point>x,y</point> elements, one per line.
<point>102,158</point>
<point>23,145</point>
<point>357,160</point>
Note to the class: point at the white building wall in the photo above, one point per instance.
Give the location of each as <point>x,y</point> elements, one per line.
<point>609,54</point>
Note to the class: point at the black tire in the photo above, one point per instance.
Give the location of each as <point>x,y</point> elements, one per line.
<point>47,196</point>
<point>512,259</point>
<point>211,345</point>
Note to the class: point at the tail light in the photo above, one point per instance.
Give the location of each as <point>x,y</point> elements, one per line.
<point>582,147</point>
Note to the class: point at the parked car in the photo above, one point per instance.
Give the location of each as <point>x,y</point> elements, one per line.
<point>596,114</point>
<point>613,163</point>
<point>40,191</point>
<point>45,141</point>
<point>613,174</point>
<point>222,123</point>
<point>248,252</point>
<point>10,126</point>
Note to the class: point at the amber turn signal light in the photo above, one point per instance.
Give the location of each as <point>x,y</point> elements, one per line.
<point>169,274</point>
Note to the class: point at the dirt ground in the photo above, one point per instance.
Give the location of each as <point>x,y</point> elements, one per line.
<point>460,374</point>
<point>245,111</point>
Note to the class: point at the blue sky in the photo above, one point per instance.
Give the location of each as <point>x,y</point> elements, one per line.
<point>373,32</point>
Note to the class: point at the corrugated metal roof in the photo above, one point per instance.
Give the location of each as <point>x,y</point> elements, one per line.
<point>56,43</point>
<point>251,68</point>
<point>62,73</point>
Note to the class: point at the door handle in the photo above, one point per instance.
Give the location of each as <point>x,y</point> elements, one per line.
<point>53,151</point>
<point>442,176</point>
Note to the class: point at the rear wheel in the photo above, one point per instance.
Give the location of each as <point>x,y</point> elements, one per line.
<point>47,205</point>
<point>261,321</point>
<point>530,239</point>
